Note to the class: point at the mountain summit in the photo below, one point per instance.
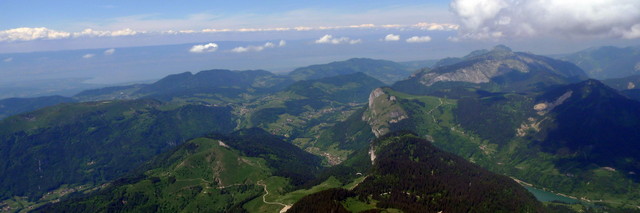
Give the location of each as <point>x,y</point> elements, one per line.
<point>500,69</point>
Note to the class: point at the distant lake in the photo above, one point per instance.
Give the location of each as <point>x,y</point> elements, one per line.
<point>545,196</point>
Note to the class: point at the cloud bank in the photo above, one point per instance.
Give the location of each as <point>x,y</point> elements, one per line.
<point>98,33</point>
<point>41,33</point>
<point>204,48</point>
<point>418,39</point>
<point>491,19</point>
<point>28,34</point>
<point>392,37</point>
<point>329,39</point>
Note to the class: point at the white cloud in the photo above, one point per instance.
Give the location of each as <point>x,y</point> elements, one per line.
<point>86,56</point>
<point>258,48</point>
<point>28,34</point>
<point>109,51</point>
<point>10,59</point>
<point>491,19</point>
<point>329,39</point>
<point>392,37</point>
<point>247,49</point>
<point>418,39</point>
<point>436,26</point>
<point>202,48</point>
<point>269,45</point>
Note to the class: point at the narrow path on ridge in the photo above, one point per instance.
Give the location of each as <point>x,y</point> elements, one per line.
<point>264,199</point>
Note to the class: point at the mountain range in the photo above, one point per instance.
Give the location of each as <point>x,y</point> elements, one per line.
<point>359,135</point>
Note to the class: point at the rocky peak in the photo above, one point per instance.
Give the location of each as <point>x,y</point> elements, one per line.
<point>374,94</point>
<point>501,48</point>
<point>383,111</point>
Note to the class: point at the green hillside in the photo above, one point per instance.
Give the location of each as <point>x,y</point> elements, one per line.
<point>70,145</point>
<point>220,173</point>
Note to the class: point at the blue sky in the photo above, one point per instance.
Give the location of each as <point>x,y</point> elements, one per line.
<point>103,15</point>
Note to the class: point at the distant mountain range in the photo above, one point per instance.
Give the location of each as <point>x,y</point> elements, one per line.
<point>12,106</point>
<point>607,62</point>
<point>226,84</point>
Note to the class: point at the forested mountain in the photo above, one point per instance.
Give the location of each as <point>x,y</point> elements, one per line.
<point>385,71</point>
<point>94,142</point>
<point>411,175</point>
<point>591,125</point>
<point>219,173</point>
<point>607,62</point>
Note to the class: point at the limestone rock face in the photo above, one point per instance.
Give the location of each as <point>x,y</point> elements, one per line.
<point>502,63</point>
